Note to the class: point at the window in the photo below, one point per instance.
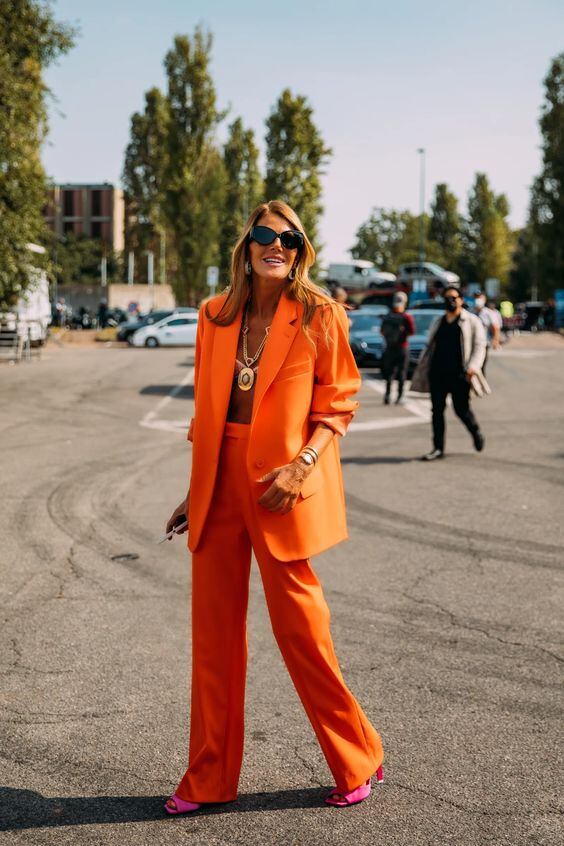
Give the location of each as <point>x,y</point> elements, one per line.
<point>68,226</point>
<point>96,203</point>
<point>68,203</point>
<point>179,321</point>
<point>96,229</point>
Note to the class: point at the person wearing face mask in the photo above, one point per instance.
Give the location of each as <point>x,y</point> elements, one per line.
<point>452,359</point>
<point>491,324</point>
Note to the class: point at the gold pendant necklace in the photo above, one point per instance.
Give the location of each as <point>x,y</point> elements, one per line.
<point>246,377</point>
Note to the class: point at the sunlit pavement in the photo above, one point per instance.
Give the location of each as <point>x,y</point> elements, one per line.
<point>444,612</point>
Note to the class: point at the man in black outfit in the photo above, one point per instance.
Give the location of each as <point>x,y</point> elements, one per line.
<point>455,353</point>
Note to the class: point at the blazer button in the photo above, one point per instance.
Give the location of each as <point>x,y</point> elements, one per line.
<point>259,462</point>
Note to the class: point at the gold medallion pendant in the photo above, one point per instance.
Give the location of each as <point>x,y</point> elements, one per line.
<point>245,379</point>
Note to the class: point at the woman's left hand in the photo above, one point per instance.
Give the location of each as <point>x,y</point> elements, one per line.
<point>286,485</point>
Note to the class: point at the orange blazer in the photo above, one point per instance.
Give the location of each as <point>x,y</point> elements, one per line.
<point>296,381</point>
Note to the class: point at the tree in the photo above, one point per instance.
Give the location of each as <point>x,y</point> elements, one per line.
<point>295,159</point>
<point>486,241</point>
<point>193,179</point>
<point>77,259</point>
<point>547,220</point>
<point>390,237</point>
<point>525,275</point>
<point>243,189</point>
<point>143,170</point>
<point>30,40</point>
<point>444,226</point>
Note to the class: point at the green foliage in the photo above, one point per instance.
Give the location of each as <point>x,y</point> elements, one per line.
<point>295,159</point>
<point>77,258</point>
<point>143,171</point>
<point>194,180</point>
<point>486,241</point>
<point>444,226</point>
<point>547,200</point>
<point>30,39</point>
<point>243,189</point>
<point>390,237</point>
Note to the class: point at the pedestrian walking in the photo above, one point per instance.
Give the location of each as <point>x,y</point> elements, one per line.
<point>61,310</point>
<point>274,377</point>
<point>491,321</point>
<point>396,328</point>
<point>451,364</point>
<point>102,313</point>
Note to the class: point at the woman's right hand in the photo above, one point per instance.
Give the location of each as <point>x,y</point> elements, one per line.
<point>180,510</point>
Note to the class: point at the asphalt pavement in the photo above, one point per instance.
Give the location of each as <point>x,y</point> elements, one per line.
<point>445,614</point>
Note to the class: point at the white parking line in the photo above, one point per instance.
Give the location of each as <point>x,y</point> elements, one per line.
<point>151,419</point>
<point>420,409</point>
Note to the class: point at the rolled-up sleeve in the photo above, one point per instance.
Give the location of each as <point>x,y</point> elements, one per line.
<point>336,375</point>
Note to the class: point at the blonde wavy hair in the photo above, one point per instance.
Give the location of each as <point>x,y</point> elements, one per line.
<point>301,288</point>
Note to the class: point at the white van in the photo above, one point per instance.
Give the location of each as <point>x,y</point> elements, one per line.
<point>358,274</point>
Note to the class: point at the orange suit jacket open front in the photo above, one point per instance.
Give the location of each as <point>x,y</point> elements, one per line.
<point>297,378</point>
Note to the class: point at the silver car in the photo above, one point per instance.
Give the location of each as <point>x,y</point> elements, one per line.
<point>429,272</point>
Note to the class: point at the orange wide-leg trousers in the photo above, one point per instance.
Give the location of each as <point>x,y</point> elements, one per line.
<point>300,621</point>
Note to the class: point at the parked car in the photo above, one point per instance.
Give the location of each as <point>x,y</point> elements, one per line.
<point>435,276</point>
<point>372,309</point>
<point>424,319</point>
<point>438,302</point>
<point>127,329</point>
<point>358,275</point>
<point>179,329</point>
<point>367,344</point>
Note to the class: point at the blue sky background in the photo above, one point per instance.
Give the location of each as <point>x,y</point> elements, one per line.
<point>462,80</point>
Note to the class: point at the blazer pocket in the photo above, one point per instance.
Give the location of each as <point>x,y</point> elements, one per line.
<point>311,484</point>
<point>291,370</point>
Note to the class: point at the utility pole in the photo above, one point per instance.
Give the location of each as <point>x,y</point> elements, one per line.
<point>162,258</point>
<point>151,275</point>
<point>421,152</point>
<point>130,267</point>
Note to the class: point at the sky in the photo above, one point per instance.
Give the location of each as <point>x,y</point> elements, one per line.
<point>462,80</point>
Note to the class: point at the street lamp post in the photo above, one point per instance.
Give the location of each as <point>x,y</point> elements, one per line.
<point>421,152</point>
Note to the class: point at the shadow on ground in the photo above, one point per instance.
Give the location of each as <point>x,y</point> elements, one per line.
<point>24,809</point>
<point>377,459</point>
<point>186,392</point>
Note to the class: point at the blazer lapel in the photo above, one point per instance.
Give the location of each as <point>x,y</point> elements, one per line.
<point>282,333</point>
<point>224,351</point>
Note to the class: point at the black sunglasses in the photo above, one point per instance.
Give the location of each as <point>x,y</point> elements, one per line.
<point>291,239</point>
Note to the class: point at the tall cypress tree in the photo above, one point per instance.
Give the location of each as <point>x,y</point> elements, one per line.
<point>548,191</point>
<point>30,40</point>
<point>243,189</point>
<point>193,178</point>
<point>486,241</point>
<point>143,170</point>
<point>444,226</point>
<point>295,159</point>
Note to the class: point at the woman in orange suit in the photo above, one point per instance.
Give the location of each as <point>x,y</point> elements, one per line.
<point>273,381</point>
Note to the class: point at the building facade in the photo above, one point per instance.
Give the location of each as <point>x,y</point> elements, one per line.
<point>95,211</point>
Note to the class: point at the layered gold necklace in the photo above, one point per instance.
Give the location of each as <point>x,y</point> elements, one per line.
<point>246,377</point>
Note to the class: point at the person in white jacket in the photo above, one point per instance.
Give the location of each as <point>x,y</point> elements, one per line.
<point>453,358</point>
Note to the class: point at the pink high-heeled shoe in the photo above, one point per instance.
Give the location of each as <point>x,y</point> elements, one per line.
<point>339,799</point>
<point>181,806</point>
